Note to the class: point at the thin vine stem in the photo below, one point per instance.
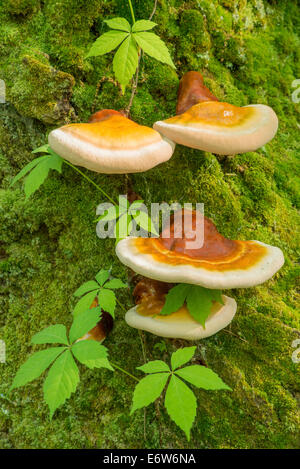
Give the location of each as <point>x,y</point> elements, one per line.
<point>124,371</point>
<point>91,182</point>
<point>131,10</point>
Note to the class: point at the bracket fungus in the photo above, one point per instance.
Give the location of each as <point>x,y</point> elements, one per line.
<point>150,299</point>
<point>204,123</point>
<point>102,328</point>
<point>111,143</point>
<point>220,263</point>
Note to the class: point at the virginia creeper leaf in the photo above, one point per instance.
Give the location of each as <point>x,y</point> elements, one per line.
<point>92,354</point>
<point>27,168</point>
<point>84,322</point>
<point>61,382</point>
<point>175,298</point>
<point>202,377</point>
<point>156,366</point>
<point>118,23</point>
<point>125,61</point>
<point>107,301</point>
<point>148,390</point>
<point>181,404</point>
<point>35,366</point>
<point>154,46</point>
<point>143,25</point>
<point>106,43</point>
<point>86,287</point>
<point>56,334</point>
<point>102,276</point>
<point>115,283</point>
<point>84,303</point>
<point>182,356</point>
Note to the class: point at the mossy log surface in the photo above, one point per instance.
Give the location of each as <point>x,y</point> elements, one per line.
<point>248,52</point>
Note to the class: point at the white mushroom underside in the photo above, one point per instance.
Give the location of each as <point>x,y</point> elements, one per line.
<point>222,140</point>
<point>114,161</point>
<point>147,265</point>
<point>188,329</point>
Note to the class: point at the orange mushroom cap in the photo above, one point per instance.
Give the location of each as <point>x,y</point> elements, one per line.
<point>219,263</point>
<point>218,127</point>
<point>111,143</point>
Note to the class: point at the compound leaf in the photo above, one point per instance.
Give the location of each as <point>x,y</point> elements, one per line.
<point>102,276</point>
<point>84,303</point>
<point>115,283</point>
<point>91,285</point>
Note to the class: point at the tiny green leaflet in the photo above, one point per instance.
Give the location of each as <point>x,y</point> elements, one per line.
<point>129,41</point>
<point>199,301</point>
<point>101,288</point>
<point>36,171</point>
<point>63,376</point>
<point>127,216</point>
<point>180,401</point>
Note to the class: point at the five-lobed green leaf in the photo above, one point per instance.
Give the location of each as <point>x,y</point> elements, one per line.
<point>84,322</point>
<point>154,46</point>
<point>125,61</point>
<point>35,366</point>
<point>61,381</point>
<point>56,334</point>
<point>92,354</point>
<point>181,404</point>
<point>148,390</point>
<point>202,377</point>
<point>106,43</point>
<point>115,283</point>
<point>102,276</point>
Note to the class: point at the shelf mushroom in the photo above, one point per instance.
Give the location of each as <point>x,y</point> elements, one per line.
<point>220,263</point>
<point>150,298</point>
<point>111,143</point>
<point>204,123</point>
<point>102,328</point>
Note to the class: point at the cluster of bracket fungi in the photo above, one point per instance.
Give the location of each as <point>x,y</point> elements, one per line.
<point>113,144</point>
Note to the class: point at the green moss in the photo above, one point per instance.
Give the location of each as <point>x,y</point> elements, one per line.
<point>248,52</point>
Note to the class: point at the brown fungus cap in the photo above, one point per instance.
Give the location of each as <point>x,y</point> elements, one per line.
<point>218,127</point>
<point>111,143</point>
<point>219,263</point>
<point>102,328</point>
<point>150,298</point>
<point>192,91</point>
